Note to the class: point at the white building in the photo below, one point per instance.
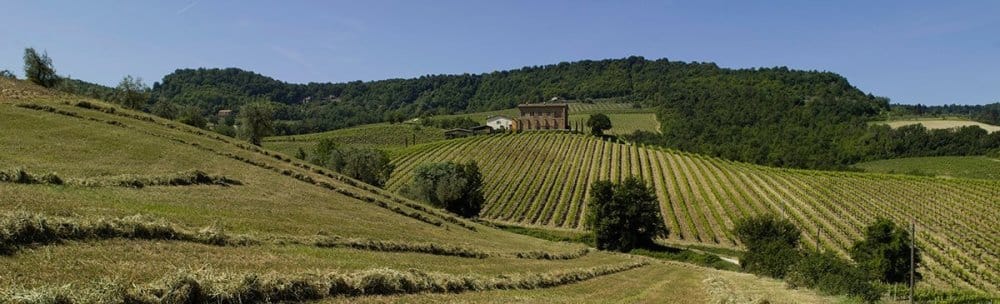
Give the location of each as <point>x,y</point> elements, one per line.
<point>499,122</point>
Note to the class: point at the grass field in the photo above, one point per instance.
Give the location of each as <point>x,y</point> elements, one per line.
<point>380,136</point>
<point>935,123</point>
<point>264,234</point>
<point>943,166</point>
<point>541,180</point>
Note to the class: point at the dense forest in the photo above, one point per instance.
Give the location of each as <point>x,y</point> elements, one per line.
<point>770,116</point>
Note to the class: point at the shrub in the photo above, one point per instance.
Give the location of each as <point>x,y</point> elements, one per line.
<point>455,187</point>
<point>624,216</point>
<point>771,244</point>
<point>598,123</point>
<point>832,275</point>
<point>885,252</point>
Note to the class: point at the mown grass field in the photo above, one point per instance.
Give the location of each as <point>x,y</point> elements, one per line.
<point>935,123</point>
<point>541,180</point>
<point>263,234</point>
<point>981,167</point>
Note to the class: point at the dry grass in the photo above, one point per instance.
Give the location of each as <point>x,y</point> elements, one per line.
<point>942,124</point>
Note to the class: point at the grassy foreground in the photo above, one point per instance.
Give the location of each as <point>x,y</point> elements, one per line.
<point>278,230</point>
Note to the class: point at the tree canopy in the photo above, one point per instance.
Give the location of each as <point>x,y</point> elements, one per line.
<point>598,123</point>
<point>131,92</point>
<point>256,121</point>
<point>885,252</point>
<point>455,187</point>
<point>38,68</point>
<point>625,215</point>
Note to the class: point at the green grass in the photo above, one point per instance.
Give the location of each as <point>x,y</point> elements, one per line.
<point>278,199</point>
<point>981,167</point>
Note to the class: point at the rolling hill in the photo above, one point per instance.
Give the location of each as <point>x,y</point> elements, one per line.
<point>542,180</point>
<point>104,204</point>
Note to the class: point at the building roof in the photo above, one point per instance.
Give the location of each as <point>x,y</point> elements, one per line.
<point>542,105</point>
<point>458,130</point>
<point>481,128</point>
<point>499,116</point>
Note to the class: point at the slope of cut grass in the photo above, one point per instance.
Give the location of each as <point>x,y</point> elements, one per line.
<point>380,136</point>
<point>943,166</point>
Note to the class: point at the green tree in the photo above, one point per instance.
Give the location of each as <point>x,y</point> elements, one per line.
<point>624,216</point>
<point>455,187</point>
<point>192,116</point>
<point>256,121</point>
<point>771,244</point>
<point>885,252</point>
<point>7,74</point>
<point>131,92</point>
<point>368,165</point>
<point>598,123</point>
<point>38,68</point>
<point>832,275</point>
<point>166,109</point>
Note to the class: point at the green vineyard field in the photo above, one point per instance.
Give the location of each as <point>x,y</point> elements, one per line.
<point>542,180</point>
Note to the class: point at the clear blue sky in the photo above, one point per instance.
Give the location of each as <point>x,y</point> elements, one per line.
<point>930,52</point>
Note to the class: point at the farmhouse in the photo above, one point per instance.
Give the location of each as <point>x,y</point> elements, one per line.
<point>543,116</point>
<point>456,133</point>
<point>499,122</point>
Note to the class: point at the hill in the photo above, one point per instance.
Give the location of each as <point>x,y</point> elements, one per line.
<point>773,116</point>
<point>944,166</point>
<point>934,123</point>
<point>541,180</point>
<point>104,204</point>
<point>380,136</point>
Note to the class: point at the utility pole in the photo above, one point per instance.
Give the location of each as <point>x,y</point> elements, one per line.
<point>913,237</point>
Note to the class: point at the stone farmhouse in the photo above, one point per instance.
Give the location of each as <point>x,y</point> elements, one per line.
<point>542,116</point>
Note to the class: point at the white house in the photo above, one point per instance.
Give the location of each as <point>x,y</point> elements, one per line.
<point>499,122</point>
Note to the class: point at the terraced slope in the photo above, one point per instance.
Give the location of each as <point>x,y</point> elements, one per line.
<point>541,179</point>
<point>126,219</point>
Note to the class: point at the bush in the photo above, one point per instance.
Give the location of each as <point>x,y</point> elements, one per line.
<point>885,252</point>
<point>371,166</point>
<point>598,123</point>
<point>771,244</point>
<point>832,275</point>
<point>455,187</point>
<point>624,216</point>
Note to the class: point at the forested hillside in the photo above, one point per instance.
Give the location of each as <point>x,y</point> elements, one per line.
<point>771,116</point>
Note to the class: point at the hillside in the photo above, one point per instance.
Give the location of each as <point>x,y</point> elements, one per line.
<point>532,179</point>
<point>110,204</point>
<point>943,166</point>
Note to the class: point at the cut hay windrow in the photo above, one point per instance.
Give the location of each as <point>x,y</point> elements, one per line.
<point>207,287</point>
<point>186,178</point>
<point>24,229</point>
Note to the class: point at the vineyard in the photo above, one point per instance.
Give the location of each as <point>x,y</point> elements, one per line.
<point>542,179</point>
<point>623,123</point>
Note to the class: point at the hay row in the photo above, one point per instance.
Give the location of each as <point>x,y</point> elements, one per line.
<point>186,178</point>
<point>24,229</point>
<point>207,287</point>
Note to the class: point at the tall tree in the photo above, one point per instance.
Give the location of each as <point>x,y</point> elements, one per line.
<point>885,252</point>
<point>256,121</point>
<point>38,68</point>
<point>598,123</point>
<point>131,92</point>
<point>624,216</point>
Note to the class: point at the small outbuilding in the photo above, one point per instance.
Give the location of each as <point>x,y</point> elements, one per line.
<point>456,133</point>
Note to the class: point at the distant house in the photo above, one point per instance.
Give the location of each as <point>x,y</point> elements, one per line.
<point>500,122</point>
<point>542,116</point>
<point>456,133</point>
<point>224,113</point>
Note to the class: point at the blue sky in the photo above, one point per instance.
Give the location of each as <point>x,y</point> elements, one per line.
<point>930,52</point>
